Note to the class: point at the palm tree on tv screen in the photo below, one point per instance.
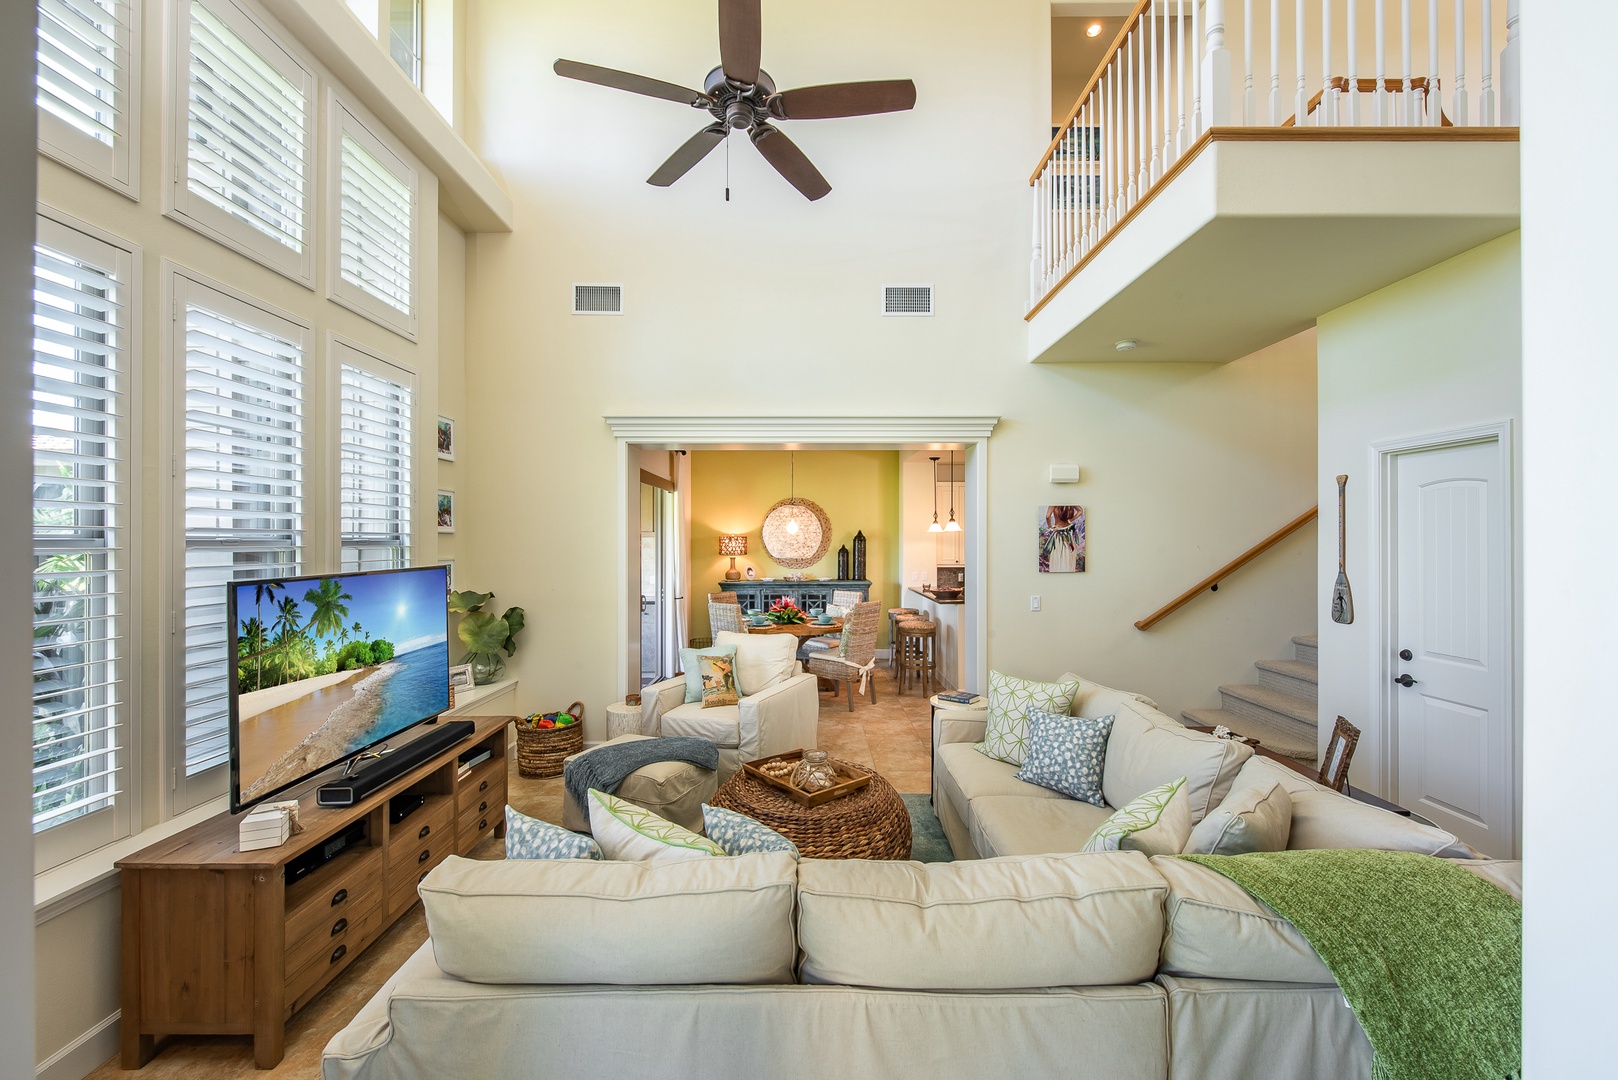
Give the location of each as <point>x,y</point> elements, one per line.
<point>329,609</point>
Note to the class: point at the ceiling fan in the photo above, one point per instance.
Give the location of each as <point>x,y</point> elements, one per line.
<point>741,95</point>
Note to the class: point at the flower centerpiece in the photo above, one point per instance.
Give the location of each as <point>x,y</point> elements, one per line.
<point>784,613</point>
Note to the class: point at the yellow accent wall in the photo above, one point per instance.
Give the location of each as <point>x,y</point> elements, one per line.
<point>732,490</point>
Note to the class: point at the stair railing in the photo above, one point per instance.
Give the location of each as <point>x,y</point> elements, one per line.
<point>1211,582</point>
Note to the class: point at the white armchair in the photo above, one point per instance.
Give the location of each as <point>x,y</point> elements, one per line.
<point>782,715</point>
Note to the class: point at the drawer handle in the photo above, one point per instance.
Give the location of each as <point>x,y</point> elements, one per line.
<point>426,853</point>
<point>338,953</point>
<point>425,829</point>
<point>338,927</point>
<point>484,824</point>
<point>483,786</point>
<point>422,878</point>
<point>338,897</point>
<point>482,806</point>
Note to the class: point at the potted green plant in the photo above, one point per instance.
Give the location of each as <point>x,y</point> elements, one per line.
<point>486,634</point>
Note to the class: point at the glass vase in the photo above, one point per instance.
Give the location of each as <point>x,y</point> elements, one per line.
<point>814,772</point>
<point>486,667</point>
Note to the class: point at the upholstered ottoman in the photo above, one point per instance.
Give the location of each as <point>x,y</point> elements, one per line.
<point>674,790</point>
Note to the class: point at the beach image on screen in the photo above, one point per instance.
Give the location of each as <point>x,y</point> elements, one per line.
<point>327,666</point>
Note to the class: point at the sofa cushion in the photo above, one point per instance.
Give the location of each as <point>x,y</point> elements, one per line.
<point>720,725</point>
<point>1505,874</point>
<point>762,660</point>
<point>623,923</point>
<point>630,833</point>
<point>1066,754</point>
<point>1157,823</point>
<point>531,838</point>
<point>1094,699</point>
<point>968,775</point>
<point>1321,818</point>
<point>1253,817</point>
<point>1215,929</point>
<point>1010,698</point>
<point>1143,754</point>
<point>1017,825</point>
<point>993,924</point>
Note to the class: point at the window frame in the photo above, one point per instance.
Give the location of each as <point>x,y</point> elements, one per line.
<point>347,117</point>
<point>117,166</point>
<point>184,285</point>
<point>343,351</point>
<point>195,212</point>
<point>71,839</point>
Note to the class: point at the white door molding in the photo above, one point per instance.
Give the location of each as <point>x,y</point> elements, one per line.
<point>1381,664</point>
<point>817,433</point>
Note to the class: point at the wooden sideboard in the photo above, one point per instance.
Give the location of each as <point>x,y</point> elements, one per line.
<point>812,596</point>
<point>216,942</point>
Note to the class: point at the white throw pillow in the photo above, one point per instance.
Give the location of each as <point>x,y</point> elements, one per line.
<point>1257,817</point>
<point>762,660</point>
<point>1157,823</point>
<point>629,833</point>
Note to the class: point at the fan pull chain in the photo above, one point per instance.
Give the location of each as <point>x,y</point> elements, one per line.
<point>727,166</point>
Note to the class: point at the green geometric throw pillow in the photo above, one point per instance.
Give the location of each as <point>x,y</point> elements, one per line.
<point>630,833</point>
<point>1157,823</point>
<point>1005,738</point>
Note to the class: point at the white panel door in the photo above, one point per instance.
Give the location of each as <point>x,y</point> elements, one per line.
<point>1454,728</point>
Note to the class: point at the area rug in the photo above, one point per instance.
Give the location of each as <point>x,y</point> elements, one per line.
<point>927,840</point>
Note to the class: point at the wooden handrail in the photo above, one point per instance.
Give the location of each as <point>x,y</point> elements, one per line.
<point>1213,579</point>
<point>1072,114</point>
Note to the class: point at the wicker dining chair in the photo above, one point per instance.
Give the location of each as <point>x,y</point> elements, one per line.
<point>724,598</point>
<point>861,625</point>
<point>846,599</point>
<point>723,616</point>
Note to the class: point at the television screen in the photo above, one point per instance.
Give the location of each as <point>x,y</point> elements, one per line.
<point>329,666</point>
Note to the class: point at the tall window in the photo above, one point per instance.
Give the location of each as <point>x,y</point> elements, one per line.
<point>87,82</point>
<point>242,483</point>
<point>404,36</point>
<point>81,702</point>
<point>374,250</point>
<point>247,110</point>
<point>375,484</point>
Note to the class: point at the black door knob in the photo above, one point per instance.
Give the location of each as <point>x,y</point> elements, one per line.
<point>1405,680</point>
<point>1406,654</point>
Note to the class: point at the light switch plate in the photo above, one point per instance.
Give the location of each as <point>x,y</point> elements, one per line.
<point>1033,602</point>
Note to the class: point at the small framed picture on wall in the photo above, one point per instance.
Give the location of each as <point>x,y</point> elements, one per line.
<point>460,676</point>
<point>446,439</point>
<point>449,574</point>
<point>446,511</point>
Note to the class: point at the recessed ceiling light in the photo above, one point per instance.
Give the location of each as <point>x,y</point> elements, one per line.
<point>1128,344</point>
<point>1092,30</point>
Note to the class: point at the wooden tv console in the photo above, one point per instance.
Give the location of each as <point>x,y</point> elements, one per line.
<point>216,942</point>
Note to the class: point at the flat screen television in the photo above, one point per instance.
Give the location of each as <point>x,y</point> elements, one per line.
<point>327,667</point>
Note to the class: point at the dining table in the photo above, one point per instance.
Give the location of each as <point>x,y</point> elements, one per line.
<point>801,631</point>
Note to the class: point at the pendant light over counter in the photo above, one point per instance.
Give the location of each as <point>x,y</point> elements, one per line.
<point>952,525</point>
<point>935,526</point>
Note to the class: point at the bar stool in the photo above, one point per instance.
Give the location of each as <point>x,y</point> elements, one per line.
<point>916,658</point>
<point>894,615</point>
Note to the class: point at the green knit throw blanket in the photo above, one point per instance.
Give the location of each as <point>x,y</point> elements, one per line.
<point>1428,956</point>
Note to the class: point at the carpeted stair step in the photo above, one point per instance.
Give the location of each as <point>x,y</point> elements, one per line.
<point>1282,711</point>
<point>1272,737</point>
<point>1291,677</point>
<point>1306,647</point>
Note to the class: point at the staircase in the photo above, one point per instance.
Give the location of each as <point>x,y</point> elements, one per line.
<point>1279,710</point>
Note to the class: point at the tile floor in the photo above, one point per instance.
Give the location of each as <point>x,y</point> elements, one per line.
<point>892,736</point>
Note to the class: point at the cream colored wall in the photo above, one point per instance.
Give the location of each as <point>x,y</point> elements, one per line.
<point>452,400</point>
<point>769,304</point>
<point>1436,352</point>
<point>732,490</point>
<point>1075,57</point>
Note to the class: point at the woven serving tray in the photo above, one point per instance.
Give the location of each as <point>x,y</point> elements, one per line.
<point>852,782</point>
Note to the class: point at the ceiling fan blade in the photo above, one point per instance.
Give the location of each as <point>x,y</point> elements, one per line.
<point>686,157</point>
<point>843,99</point>
<point>635,84</point>
<point>789,161</point>
<point>740,31</point>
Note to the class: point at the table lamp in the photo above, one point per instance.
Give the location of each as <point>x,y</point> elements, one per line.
<point>732,544</point>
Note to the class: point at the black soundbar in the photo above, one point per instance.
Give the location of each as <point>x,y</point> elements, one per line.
<point>394,764</point>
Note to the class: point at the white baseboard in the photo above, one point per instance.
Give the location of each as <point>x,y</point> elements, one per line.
<point>83,1055</point>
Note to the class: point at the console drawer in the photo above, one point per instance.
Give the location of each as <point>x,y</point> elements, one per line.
<point>335,953</point>
<point>325,937</point>
<point>405,873</point>
<point>337,897</point>
<point>480,781</point>
<point>481,819</point>
<point>433,820</point>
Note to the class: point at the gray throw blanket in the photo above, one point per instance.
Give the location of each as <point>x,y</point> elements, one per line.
<point>605,767</point>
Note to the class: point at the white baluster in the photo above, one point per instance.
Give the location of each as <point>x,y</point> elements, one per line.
<point>1196,70</point>
<point>1130,134</point>
<point>1216,68</point>
<point>1180,143</point>
<point>1461,117</point>
<point>1275,60</point>
<point>1486,95</point>
<point>1511,70</point>
<point>1407,100</point>
<point>1380,95</point>
<point>1157,97</point>
<point>1328,93</point>
<point>1353,88</point>
<point>1300,106</point>
<point>1110,146</point>
<point>1249,95</point>
<point>1035,270</point>
<point>1435,92</point>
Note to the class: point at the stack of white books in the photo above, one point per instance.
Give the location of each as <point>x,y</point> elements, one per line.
<point>267,825</point>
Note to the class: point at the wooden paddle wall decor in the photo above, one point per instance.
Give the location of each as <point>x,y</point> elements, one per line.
<point>1342,599</point>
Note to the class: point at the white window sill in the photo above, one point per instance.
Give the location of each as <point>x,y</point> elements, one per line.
<point>467,700</point>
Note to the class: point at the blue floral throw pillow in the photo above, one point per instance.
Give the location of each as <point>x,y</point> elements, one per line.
<point>738,834</point>
<point>530,838</point>
<point>1066,754</point>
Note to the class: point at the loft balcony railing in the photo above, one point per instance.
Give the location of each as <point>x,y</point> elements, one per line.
<point>1171,78</point>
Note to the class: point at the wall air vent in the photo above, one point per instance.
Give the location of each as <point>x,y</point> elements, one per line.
<point>907,299</point>
<point>598,299</point>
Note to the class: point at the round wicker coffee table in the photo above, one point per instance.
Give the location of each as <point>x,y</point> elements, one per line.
<point>872,823</point>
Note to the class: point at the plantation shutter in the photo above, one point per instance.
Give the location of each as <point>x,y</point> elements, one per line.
<point>243,484</point>
<point>375,485</point>
<point>376,230</point>
<point>247,129</point>
<point>82,75</point>
<point>81,467</point>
